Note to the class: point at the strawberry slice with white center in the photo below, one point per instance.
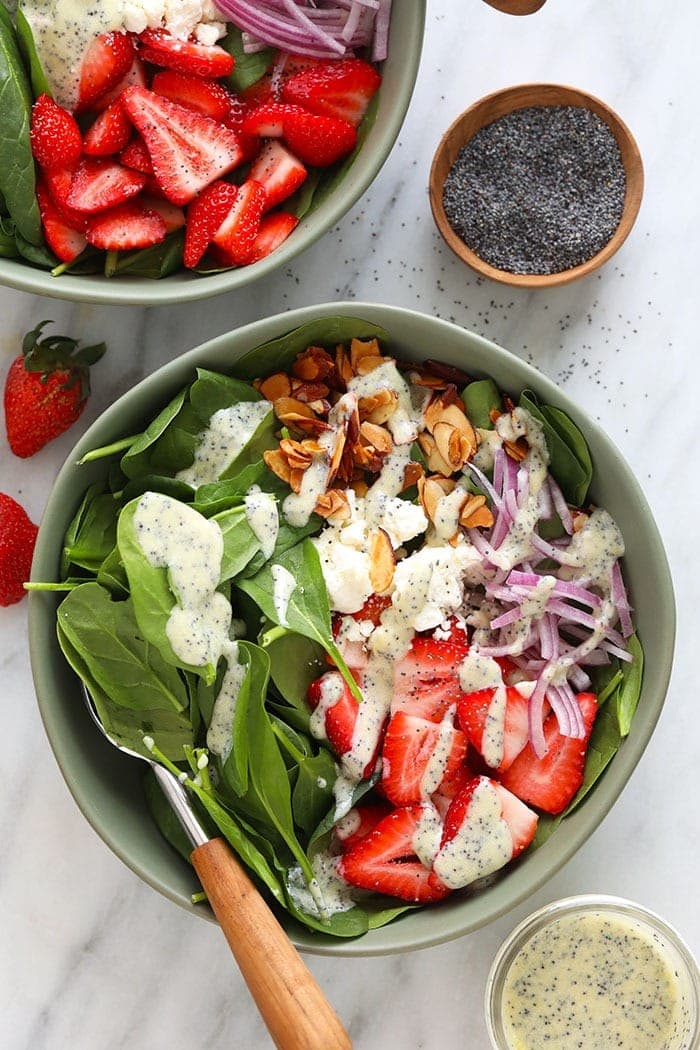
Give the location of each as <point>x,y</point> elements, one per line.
<point>185,56</point>
<point>359,822</point>
<point>274,230</point>
<point>101,184</point>
<point>136,156</point>
<point>204,96</point>
<point>65,242</point>
<point>417,755</point>
<point>278,171</point>
<point>172,216</point>
<point>267,120</point>
<point>386,860</point>
<point>340,89</point>
<point>550,783</point>
<point>204,217</point>
<point>126,227</point>
<point>107,61</point>
<point>109,133</point>
<point>426,681</point>
<point>135,77</point>
<point>236,235</point>
<point>187,149</point>
<point>496,722</point>
<point>58,182</point>
<point>485,827</point>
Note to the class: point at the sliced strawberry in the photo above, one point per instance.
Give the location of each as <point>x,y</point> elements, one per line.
<point>453,782</point>
<point>126,227</point>
<point>188,151</point>
<point>472,712</point>
<point>551,782</point>
<point>109,133</point>
<point>357,824</point>
<point>348,636</point>
<point>136,156</point>
<point>386,861</point>
<point>204,96</point>
<point>278,171</point>
<point>267,120</point>
<point>341,89</point>
<point>318,141</point>
<point>340,717</point>
<point>186,56</point>
<point>417,755</point>
<point>101,184</point>
<point>204,217</point>
<point>430,699</point>
<point>237,233</point>
<point>274,231</point>
<point>238,111</point>
<point>373,608</point>
<point>135,77</point>
<point>58,182</point>
<point>107,61</point>
<point>475,820</point>
<point>55,136</point>
<point>65,242</point>
<point>426,679</point>
<point>172,216</point>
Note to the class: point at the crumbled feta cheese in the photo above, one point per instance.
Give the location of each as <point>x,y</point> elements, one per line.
<point>182,18</point>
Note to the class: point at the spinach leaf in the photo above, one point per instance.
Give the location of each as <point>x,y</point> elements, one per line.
<point>157,483</point>
<point>151,594</point>
<point>300,203</point>
<point>155,262</point>
<point>240,542</point>
<point>112,576</point>
<point>113,449</point>
<point>288,536</point>
<point>570,461</point>
<point>36,254</point>
<point>25,38</point>
<point>96,534</point>
<point>164,817</point>
<point>295,661</point>
<point>8,244</point>
<point>308,611</point>
<point>325,331</point>
<point>235,769</point>
<point>17,174</point>
<point>313,790</point>
<point>74,526</point>
<point>480,398</point>
<point>247,69</point>
<point>630,687</point>
<point>212,391</point>
<point>88,262</point>
<point>136,459</point>
<point>359,792</point>
<point>230,492</point>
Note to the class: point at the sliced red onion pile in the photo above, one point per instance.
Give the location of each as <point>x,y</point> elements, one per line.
<point>575,625</point>
<point>318,28</point>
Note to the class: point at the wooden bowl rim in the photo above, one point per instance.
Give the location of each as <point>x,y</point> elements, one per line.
<point>552,95</point>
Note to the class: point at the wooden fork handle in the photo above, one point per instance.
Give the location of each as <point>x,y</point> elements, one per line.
<point>292,1005</point>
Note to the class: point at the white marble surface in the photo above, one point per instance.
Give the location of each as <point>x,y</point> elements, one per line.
<point>90,956</point>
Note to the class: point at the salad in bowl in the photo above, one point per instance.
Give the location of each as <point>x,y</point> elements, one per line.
<point>367,608</point>
<point>172,139</point>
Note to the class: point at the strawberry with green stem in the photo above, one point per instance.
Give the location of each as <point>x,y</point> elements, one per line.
<point>46,389</point>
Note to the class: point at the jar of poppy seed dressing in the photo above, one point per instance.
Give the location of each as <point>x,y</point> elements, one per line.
<point>593,973</point>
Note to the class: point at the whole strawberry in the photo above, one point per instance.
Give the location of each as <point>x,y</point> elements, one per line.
<point>17,539</point>
<point>46,389</point>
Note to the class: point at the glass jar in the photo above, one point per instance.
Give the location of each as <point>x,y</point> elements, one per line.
<point>539,981</point>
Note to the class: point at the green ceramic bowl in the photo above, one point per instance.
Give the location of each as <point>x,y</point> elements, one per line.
<point>399,75</point>
<point>106,785</point>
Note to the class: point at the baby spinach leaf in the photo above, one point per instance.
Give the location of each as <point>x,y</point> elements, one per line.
<point>135,460</point>
<point>114,449</point>
<point>288,536</point>
<point>313,790</point>
<point>278,354</point>
<point>359,792</point>
<point>212,391</point>
<point>480,398</point>
<point>570,461</point>
<point>73,528</point>
<point>164,817</point>
<point>295,661</point>
<point>308,611</point>
<point>17,174</point>
<point>248,68</point>
<point>111,574</point>
<point>156,262</point>
<point>300,203</point>
<point>630,687</point>
<point>240,542</point>
<point>151,594</point>
<point>96,534</point>
<point>25,38</point>
<point>602,748</point>
<point>36,254</point>
<point>235,769</point>
<point>230,492</point>
<point>157,483</point>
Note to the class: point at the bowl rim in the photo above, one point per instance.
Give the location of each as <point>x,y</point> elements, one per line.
<point>544,862</point>
<point>568,95</point>
<point>184,287</point>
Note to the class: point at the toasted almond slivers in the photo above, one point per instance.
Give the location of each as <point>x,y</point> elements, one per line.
<point>434,461</point>
<point>382,561</point>
<point>494,414</point>
<point>359,487</point>
<point>378,437</point>
<point>517,450</point>
<point>308,392</point>
<point>379,406</point>
<point>431,491</point>
<point>276,461</point>
<point>333,504</point>
<point>475,513</point>
<point>312,364</point>
<point>360,348</point>
<point>342,365</point>
<point>286,406</point>
<point>275,386</point>
<point>368,364</point>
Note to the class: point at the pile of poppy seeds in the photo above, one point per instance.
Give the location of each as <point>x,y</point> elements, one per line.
<point>538,191</point>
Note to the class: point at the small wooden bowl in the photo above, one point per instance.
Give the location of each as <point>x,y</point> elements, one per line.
<point>516,7</point>
<point>497,105</point>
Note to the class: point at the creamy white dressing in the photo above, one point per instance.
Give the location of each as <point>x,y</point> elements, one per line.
<point>406,420</point>
<point>447,512</point>
<point>427,836</point>
<point>437,764</point>
<point>599,980</point>
<point>228,432</point>
<point>489,443</point>
<point>593,551</point>
<point>332,687</point>
<point>175,537</point>
<point>482,845</point>
<point>478,672</point>
<point>517,545</point>
<point>377,693</point>
<point>283,587</point>
<point>220,731</point>
<point>263,518</point>
<point>327,894</point>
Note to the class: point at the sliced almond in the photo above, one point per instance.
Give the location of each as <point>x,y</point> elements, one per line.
<point>333,505</point>
<point>343,367</point>
<point>307,392</point>
<point>360,348</point>
<point>276,461</point>
<point>379,406</point>
<point>382,561</point>
<point>378,437</point>
<point>313,364</point>
<point>359,487</point>
<point>286,406</point>
<point>412,473</point>
<point>475,513</point>
<point>275,386</point>
<point>517,450</point>
<point>434,461</point>
<point>431,490</point>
